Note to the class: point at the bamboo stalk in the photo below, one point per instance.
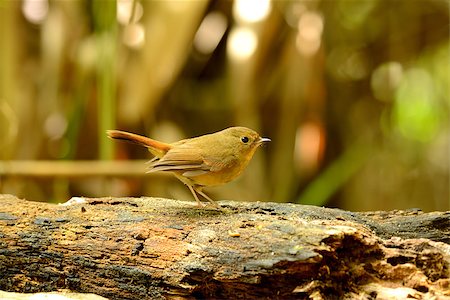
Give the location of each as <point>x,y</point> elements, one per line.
<point>106,29</point>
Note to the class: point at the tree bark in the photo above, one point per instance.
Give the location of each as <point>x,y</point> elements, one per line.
<point>153,248</point>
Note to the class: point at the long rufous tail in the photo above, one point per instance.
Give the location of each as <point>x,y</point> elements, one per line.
<point>157,148</point>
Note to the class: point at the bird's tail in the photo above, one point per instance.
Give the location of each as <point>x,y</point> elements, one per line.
<point>157,148</point>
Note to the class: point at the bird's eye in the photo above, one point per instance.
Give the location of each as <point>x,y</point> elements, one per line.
<point>244,140</point>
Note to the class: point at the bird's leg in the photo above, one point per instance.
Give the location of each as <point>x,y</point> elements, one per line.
<point>199,203</point>
<point>196,189</point>
<point>199,190</point>
<point>190,185</point>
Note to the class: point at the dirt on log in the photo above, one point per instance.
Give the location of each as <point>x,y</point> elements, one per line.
<point>153,248</point>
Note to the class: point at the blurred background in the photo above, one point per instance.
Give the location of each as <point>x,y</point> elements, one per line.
<point>353,93</point>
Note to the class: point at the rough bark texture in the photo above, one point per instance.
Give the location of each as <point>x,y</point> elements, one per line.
<point>150,248</point>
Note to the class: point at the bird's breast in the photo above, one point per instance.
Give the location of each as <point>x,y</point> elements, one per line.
<point>222,176</point>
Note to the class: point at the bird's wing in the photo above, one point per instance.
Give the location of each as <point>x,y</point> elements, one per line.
<point>176,159</point>
<point>192,160</point>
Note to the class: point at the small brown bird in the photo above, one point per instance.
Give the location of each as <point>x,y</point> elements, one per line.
<point>207,160</point>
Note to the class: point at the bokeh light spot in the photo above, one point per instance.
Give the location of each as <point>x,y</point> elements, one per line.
<point>55,126</point>
<point>242,43</point>
<point>134,35</point>
<point>125,10</point>
<point>210,32</point>
<point>385,80</point>
<point>416,114</point>
<point>251,11</point>
<point>310,27</point>
<point>309,146</point>
<point>35,11</point>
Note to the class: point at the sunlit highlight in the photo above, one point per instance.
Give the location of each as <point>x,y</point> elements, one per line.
<point>310,27</point>
<point>242,43</point>
<point>35,11</point>
<point>251,11</point>
<point>210,32</point>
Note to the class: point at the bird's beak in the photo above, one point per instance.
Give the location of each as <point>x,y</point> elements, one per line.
<point>263,140</point>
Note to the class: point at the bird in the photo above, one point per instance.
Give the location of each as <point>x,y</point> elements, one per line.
<point>207,160</point>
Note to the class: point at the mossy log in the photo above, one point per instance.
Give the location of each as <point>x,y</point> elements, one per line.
<point>153,248</point>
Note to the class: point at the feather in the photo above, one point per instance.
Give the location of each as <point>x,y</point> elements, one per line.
<point>194,173</point>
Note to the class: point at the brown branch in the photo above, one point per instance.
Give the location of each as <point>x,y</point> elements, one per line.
<point>79,168</point>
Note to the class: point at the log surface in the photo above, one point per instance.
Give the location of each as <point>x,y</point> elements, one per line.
<point>153,248</point>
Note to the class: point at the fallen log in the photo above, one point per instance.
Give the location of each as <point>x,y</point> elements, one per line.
<point>153,248</point>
